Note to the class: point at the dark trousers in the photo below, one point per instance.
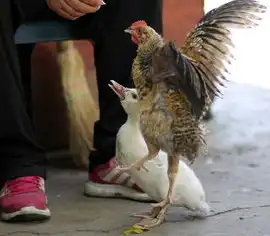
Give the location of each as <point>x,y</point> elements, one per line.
<point>20,154</point>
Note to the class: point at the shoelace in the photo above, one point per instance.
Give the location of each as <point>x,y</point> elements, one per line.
<point>23,184</point>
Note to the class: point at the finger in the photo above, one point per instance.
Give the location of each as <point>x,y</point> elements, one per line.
<point>94,3</point>
<point>66,7</point>
<point>66,15</point>
<point>61,9</point>
<point>82,7</point>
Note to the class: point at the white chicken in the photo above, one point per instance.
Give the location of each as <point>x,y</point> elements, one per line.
<point>130,146</point>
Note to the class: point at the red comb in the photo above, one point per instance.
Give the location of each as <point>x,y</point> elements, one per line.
<point>139,22</point>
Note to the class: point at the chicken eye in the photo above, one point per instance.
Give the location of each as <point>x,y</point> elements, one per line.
<point>134,96</point>
<point>140,31</point>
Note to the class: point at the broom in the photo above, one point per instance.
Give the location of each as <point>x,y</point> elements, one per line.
<point>82,109</point>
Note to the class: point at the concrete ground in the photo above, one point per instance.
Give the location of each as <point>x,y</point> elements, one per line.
<point>236,174</point>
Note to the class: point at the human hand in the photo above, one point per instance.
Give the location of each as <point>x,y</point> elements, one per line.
<point>73,9</point>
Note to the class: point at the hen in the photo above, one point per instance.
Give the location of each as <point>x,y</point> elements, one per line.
<point>175,86</point>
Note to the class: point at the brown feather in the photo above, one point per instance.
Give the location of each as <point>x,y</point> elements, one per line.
<point>209,44</point>
<point>179,75</point>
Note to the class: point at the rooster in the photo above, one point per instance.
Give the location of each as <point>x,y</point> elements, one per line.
<point>176,86</point>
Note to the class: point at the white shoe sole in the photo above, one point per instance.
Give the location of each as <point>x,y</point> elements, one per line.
<point>29,213</point>
<point>114,191</point>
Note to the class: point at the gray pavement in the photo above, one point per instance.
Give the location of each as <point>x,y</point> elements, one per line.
<point>236,174</point>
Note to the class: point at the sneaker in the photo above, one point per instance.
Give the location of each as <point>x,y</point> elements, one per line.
<point>107,181</point>
<point>24,199</point>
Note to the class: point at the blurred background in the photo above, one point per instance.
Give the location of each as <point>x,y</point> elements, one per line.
<point>180,16</point>
<point>252,64</point>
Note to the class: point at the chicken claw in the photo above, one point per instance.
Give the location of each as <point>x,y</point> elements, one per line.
<point>163,203</point>
<point>138,165</point>
<point>143,215</point>
<point>152,222</point>
<point>148,215</point>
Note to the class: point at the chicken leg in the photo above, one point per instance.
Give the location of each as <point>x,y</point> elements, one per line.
<point>138,164</point>
<point>151,221</point>
<point>152,152</point>
<point>173,166</point>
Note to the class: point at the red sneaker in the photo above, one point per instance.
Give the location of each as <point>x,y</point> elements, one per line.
<point>24,199</point>
<point>107,181</point>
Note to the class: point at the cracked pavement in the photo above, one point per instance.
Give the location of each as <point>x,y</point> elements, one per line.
<point>235,174</point>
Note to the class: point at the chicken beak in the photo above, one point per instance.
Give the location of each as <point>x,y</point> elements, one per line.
<point>128,30</point>
<point>118,89</point>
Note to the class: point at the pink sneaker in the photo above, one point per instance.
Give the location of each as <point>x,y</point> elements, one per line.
<point>107,181</point>
<point>24,199</point>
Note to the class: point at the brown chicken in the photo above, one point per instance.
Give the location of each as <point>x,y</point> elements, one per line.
<point>176,87</point>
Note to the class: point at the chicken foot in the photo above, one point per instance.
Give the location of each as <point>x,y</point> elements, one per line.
<point>148,215</point>
<point>151,222</point>
<point>139,163</point>
<point>161,208</point>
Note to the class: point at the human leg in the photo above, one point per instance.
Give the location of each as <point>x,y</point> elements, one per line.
<point>114,54</point>
<point>22,161</point>
<point>24,54</point>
